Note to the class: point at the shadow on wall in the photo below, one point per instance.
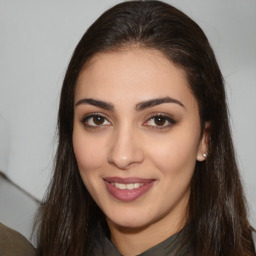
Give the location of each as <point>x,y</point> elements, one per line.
<point>18,208</point>
<point>4,144</point>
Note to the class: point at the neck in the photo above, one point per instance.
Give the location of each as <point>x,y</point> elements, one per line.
<point>133,241</point>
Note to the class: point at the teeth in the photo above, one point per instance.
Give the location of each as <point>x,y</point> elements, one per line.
<point>120,186</point>
<point>129,186</point>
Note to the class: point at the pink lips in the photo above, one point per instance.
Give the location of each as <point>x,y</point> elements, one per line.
<point>127,194</point>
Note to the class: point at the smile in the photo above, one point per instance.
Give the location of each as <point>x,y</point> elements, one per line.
<point>129,186</point>
<point>127,189</point>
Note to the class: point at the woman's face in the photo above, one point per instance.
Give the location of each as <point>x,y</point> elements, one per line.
<point>137,138</point>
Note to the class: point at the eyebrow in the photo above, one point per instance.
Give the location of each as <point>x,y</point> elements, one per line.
<point>154,102</point>
<point>139,107</point>
<point>97,103</point>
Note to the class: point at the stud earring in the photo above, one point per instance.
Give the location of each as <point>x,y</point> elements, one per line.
<point>204,155</point>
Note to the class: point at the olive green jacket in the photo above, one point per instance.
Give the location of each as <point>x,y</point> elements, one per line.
<point>13,243</point>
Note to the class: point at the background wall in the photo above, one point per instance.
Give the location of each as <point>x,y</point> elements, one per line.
<point>37,39</point>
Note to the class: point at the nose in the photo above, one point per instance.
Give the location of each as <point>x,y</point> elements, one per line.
<point>126,149</point>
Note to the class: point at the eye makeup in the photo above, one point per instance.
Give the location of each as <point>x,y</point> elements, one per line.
<point>95,121</point>
<point>159,121</point>
<point>155,121</point>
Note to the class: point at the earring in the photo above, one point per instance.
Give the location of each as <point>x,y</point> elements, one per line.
<point>204,155</point>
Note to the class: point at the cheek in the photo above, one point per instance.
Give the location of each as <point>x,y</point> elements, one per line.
<point>176,155</point>
<point>89,159</point>
<point>87,153</point>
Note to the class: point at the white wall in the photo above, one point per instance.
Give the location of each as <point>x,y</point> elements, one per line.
<point>37,39</point>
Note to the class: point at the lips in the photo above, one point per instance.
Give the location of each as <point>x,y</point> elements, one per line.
<point>127,189</point>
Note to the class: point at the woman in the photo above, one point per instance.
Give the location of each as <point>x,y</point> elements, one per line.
<point>145,162</point>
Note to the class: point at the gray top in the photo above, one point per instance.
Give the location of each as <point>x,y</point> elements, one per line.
<point>172,246</point>
<point>175,245</point>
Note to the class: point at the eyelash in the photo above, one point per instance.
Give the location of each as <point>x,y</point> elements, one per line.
<point>165,118</point>
<point>100,126</point>
<point>86,118</point>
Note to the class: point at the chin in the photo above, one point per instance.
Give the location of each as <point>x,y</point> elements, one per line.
<point>130,225</point>
<point>129,221</point>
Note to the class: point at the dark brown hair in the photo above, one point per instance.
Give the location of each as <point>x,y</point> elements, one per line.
<point>217,211</point>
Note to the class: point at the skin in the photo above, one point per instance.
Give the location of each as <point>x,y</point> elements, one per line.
<point>128,142</point>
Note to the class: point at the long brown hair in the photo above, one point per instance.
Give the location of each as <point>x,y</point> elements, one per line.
<point>217,211</point>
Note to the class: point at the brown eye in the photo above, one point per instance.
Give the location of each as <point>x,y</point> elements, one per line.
<point>160,121</point>
<point>98,120</point>
<point>95,121</point>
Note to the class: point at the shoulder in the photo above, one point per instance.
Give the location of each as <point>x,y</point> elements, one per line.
<point>254,238</point>
<point>13,243</point>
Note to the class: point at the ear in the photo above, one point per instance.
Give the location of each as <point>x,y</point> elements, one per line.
<point>203,144</point>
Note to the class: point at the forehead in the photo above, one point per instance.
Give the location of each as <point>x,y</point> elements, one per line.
<point>136,74</point>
